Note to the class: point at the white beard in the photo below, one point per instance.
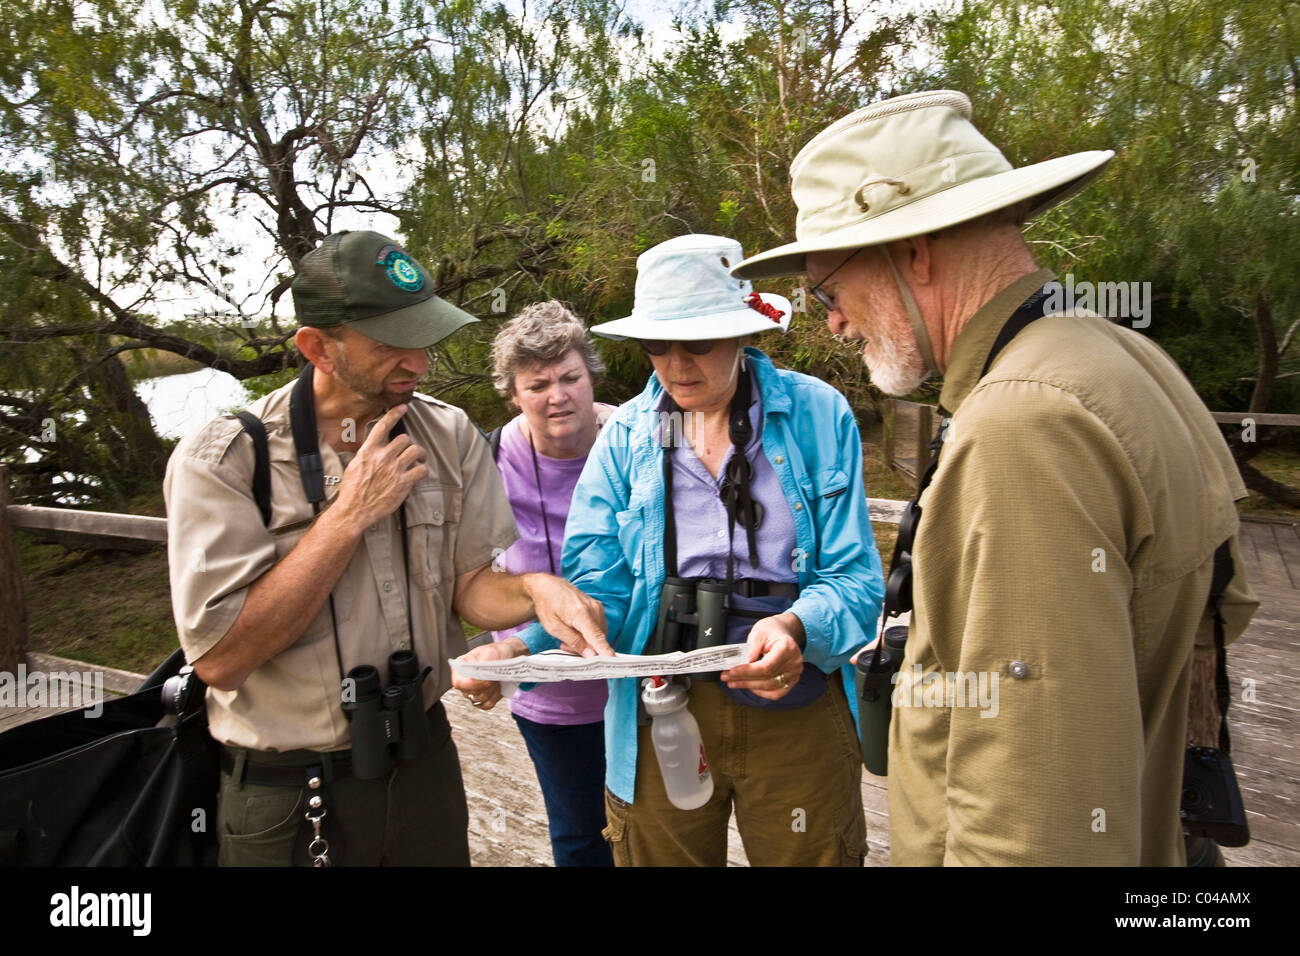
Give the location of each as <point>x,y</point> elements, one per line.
<point>895,365</point>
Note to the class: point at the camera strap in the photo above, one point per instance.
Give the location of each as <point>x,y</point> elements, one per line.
<point>898,587</point>
<point>735,490</point>
<point>311,468</point>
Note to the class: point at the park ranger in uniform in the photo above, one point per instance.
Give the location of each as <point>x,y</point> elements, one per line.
<point>274,613</point>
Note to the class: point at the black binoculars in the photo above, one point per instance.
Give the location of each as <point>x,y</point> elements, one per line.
<point>692,615</point>
<point>387,722</point>
<point>875,687</point>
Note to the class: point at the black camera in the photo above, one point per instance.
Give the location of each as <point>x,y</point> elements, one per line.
<point>1212,804</point>
<point>875,685</point>
<point>387,722</point>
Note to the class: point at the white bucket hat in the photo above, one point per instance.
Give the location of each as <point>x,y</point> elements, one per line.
<point>685,292</point>
<point>903,168</point>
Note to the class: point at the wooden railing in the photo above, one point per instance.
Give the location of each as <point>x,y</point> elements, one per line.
<point>909,429</point>
<point>1259,418</point>
<point>104,530</point>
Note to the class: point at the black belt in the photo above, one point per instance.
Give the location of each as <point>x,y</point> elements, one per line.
<point>747,587</point>
<point>335,765</point>
<point>291,769</point>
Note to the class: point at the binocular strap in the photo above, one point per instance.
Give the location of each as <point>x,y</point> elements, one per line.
<point>302,420</point>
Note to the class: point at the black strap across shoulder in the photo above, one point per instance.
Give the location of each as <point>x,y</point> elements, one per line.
<point>735,491</point>
<point>311,469</point>
<point>261,463</point>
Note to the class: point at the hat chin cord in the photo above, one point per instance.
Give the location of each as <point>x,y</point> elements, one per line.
<point>913,313</point>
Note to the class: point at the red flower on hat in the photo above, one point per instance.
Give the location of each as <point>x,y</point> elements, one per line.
<point>758,305</point>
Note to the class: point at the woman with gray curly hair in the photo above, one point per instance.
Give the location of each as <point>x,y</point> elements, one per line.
<point>545,364</point>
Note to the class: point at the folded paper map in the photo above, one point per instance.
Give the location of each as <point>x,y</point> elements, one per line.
<point>557,665</point>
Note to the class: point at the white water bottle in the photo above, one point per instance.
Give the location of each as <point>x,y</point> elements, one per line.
<point>678,745</point>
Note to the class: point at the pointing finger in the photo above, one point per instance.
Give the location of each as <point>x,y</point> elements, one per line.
<point>379,434</point>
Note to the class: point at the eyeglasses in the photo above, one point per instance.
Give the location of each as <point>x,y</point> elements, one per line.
<point>661,346</point>
<point>825,298</point>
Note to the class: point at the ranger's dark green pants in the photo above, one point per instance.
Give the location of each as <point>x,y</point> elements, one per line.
<point>415,815</point>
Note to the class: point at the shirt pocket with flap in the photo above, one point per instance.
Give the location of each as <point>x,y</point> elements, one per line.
<point>432,520</point>
<point>831,483</point>
<point>631,534</point>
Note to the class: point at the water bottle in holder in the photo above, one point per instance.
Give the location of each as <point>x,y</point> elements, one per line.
<point>678,745</point>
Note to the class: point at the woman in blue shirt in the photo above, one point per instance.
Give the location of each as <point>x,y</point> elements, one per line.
<point>767,502</point>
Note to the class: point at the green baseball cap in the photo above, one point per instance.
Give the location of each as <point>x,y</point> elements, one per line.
<point>367,281</point>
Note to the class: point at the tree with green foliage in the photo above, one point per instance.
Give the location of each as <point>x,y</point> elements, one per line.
<point>694,133</point>
<point>161,174</point>
<point>1199,99</point>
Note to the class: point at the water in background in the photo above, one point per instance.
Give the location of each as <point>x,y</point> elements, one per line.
<point>179,404</point>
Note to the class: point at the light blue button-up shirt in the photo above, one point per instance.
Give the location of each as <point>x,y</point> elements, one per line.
<point>613,546</point>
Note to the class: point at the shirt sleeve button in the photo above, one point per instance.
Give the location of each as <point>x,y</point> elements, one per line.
<point>1019,669</point>
<point>798,506</point>
<point>779,460</point>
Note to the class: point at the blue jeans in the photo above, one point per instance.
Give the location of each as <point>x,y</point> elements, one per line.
<point>570,764</point>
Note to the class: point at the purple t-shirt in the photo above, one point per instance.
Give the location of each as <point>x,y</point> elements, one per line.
<point>538,510</point>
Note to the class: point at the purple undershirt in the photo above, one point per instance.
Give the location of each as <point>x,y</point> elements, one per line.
<point>702,520</point>
<point>566,702</point>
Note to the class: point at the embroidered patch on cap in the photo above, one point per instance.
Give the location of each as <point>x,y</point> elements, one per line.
<point>401,269</point>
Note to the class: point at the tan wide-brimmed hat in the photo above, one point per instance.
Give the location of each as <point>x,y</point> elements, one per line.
<point>907,167</point>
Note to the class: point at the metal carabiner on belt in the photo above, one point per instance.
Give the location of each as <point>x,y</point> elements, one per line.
<point>319,847</point>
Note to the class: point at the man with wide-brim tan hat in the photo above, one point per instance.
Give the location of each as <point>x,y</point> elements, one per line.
<point>1070,524</point>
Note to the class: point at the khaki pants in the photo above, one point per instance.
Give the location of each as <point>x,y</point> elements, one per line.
<point>794,777</point>
<point>415,815</point>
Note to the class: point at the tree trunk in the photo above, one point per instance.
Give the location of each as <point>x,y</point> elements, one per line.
<point>1268,357</point>
<point>1266,486</point>
<point>128,433</point>
<point>1242,451</point>
<point>13,611</point>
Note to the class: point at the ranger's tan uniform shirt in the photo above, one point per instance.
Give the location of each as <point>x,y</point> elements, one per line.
<point>1065,550</point>
<point>458,519</point>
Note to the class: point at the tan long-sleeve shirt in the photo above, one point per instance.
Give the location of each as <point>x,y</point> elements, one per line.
<point>1064,558</point>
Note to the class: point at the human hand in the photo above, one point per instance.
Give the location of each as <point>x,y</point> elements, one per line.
<point>866,647</point>
<point>383,472</point>
<point>484,694</point>
<point>775,659</point>
<point>566,613</point>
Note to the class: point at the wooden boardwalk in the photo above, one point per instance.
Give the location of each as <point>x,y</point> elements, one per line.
<point>508,821</point>
<point>1266,730</point>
